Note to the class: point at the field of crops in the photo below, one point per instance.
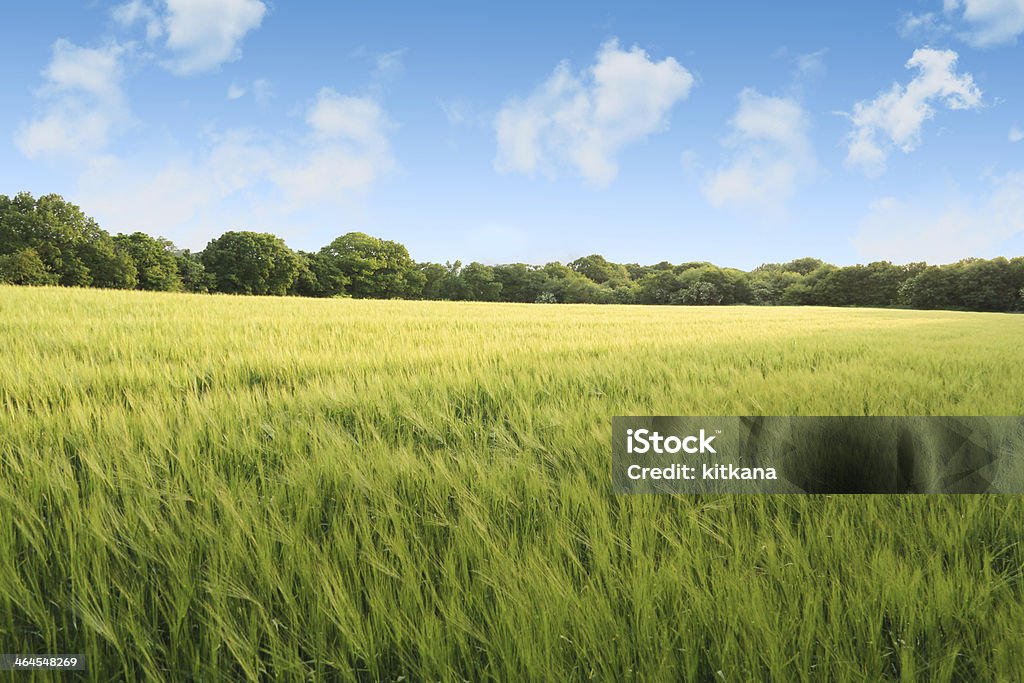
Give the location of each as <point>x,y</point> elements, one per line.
<point>220,488</point>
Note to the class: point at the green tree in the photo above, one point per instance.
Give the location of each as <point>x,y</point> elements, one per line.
<point>802,266</point>
<point>733,285</point>
<point>598,269</point>
<point>24,267</point>
<point>570,287</point>
<point>70,244</point>
<point>933,287</point>
<point>521,282</point>
<point>306,282</point>
<point>109,265</point>
<point>373,268</point>
<point>637,272</point>
<point>659,287</point>
<point>243,262</point>
<point>768,286</point>
<point>330,280</point>
<point>479,282</point>
<point>817,288</point>
<point>701,293</point>
<point>695,284</point>
<point>622,291</point>
<point>436,281</point>
<point>194,277</point>
<point>154,259</point>
<point>988,285</point>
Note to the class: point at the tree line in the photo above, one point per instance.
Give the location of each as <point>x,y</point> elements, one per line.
<point>49,241</point>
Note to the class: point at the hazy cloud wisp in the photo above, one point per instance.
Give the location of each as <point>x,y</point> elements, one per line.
<point>83,102</point>
<point>989,22</point>
<point>770,153</point>
<point>947,230</point>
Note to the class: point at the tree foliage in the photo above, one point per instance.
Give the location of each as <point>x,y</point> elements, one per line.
<point>70,245</point>
<point>194,277</point>
<point>243,262</point>
<point>49,241</point>
<point>368,267</point>
<point>24,267</point>
<point>154,260</point>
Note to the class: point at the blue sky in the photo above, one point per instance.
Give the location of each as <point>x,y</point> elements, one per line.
<point>738,133</point>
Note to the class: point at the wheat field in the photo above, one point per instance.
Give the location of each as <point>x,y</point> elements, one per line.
<point>227,488</point>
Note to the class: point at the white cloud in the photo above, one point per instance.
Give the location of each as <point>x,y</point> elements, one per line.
<point>584,121</point>
<point>350,148</point>
<point>1016,134</point>
<point>178,199</point>
<point>201,34</point>
<point>328,171</point>
<point>770,153</point>
<point>990,22</point>
<point>896,116</point>
<point>232,177</point>
<point>335,116</point>
<point>244,177</point>
<point>206,33</point>
<point>83,102</point>
<point>944,229</point>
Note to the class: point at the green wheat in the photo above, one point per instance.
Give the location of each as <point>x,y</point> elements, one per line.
<point>221,488</point>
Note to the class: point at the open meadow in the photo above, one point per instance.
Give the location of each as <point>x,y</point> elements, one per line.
<point>221,488</point>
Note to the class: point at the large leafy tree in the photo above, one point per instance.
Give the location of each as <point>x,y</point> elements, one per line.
<point>521,282</point>
<point>570,287</point>
<point>599,269</point>
<point>24,267</point>
<point>306,282</point>
<point>51,241</point>
<point>876,284</point>
<point>988,285</point>
<point>70,244</point>
<point>194,277</point>
<point>479,282</point>
<point>802,266</point>
<point>109,265</point>
<point>369,268</point>
<point>768,286</point>
<point>328,272</point>
<point>442,282</point>
<point>154,259</point>
<point>243,262</point>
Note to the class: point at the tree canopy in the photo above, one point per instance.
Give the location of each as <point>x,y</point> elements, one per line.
<point>49,241</point>
<point>71,246</point>
<point>155,263</point>
<point>243,262</point>
<point>368,267</point>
